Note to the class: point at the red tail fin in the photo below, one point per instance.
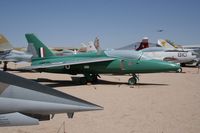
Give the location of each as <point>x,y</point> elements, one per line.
<point>144,44</point>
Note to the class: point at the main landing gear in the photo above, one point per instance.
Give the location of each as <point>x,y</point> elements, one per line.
<point>93,78</point>
<point>133,80</point>
<point>5,66</point>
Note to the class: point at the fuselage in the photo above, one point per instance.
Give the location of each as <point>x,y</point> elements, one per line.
<point>172,56</point>
<point>125,62</point>
<point>195,49</point>
<point>16,56</point>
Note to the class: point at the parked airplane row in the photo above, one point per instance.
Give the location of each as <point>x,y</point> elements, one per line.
<point>143,59</point>
<point>167,52</point>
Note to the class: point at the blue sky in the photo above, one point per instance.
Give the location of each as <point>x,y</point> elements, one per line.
<point>116,22</point>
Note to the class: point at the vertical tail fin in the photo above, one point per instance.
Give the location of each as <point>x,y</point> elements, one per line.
<point>40,49</point>
<point>165,44</point>
<point>31,50</point>
<point>4,44</point>
<point>90,47</point>
<point>97,44</point>
<point>144,44</point>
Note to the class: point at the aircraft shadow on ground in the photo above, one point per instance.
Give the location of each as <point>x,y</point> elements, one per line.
<point>56,83</point>
<point>63,83</point>
<point>153,84</point>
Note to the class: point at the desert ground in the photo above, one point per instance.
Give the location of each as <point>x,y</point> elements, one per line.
<point>160,103</point>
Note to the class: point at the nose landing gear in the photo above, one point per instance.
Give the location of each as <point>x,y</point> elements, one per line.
<point>179,70</point>
<point>133,80</point>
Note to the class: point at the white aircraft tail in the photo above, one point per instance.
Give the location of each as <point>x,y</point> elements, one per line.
<point>91,47</point>
<point>94,46</point>
<point>97,44</point>
<point>165,44</point>
<point>31,50</point>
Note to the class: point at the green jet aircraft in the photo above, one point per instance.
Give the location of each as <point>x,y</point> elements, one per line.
<point>91,64</point>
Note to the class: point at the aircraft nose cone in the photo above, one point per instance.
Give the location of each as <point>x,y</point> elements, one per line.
<point>92,108</point>
<point>153,66</point>
<point>81,105</point>
<point>175,66</point>
<point>167,66</point>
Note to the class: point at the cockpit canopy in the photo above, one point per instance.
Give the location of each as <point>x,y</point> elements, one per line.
<point>128,54</point>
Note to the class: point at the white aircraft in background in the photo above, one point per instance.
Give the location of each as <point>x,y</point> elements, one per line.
<point>91,46</point>
<point>166,44</point>
<point>9,54</point>
<point>162,53</point>
<point>194,49</point>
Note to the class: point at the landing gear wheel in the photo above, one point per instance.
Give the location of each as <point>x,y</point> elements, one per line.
<point>94,78</point>
<point>132,81</point>
<point>83,80</point>
<point>179,70</point>
<point>198,64</point>
<point>182,64</point>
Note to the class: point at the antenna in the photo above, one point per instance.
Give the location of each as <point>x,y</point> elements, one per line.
<point>62,127</point>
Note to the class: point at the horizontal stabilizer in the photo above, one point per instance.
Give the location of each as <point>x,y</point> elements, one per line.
<point>165,44</point>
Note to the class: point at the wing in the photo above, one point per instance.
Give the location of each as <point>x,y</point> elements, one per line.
<point>25,102</point>
<point>66,63</point>
<point>8,60</point>
<point>17,119</point>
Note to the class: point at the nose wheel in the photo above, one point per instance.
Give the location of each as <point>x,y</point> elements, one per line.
<point>83,81</point>
<point>179,70</point>
<point>133,80</point>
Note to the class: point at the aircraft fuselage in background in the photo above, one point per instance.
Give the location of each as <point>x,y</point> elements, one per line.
<point>91,64</point>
